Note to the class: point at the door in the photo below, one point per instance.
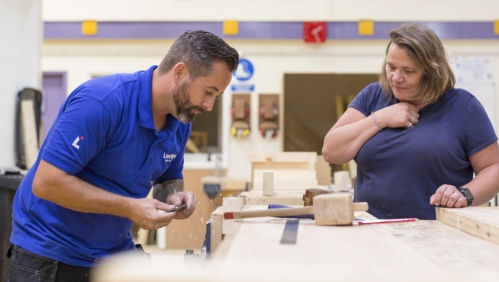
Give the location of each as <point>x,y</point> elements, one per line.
<point>53,95</point>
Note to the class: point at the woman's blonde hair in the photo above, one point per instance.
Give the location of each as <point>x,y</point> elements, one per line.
<point>427,51</point>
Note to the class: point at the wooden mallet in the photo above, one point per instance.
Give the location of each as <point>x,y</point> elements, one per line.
<point>328,209</point>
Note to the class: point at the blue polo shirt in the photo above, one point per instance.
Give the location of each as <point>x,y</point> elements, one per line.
<point>104,134</point>
<point>399,169</point>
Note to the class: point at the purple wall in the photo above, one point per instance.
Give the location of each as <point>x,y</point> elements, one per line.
<point>259,30</point>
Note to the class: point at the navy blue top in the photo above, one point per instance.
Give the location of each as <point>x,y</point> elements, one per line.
<point>104,134</point>
<point>399,169</point>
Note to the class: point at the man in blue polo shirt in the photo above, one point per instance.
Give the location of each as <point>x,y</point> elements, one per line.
<point>114,137</point>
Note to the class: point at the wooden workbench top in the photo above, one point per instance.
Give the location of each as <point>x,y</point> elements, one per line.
<point>410,251</point>
<point>413,251</point>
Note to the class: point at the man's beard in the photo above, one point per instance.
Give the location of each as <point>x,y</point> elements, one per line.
<point>183,105</point>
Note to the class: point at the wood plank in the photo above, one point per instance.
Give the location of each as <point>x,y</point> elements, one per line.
<point>289,157</point>
<point>457,253</point>
<point>268,182</point>
<point>231,204</point>
<point>285,174</point>
<point>288,184</point>
<point>325,253</point>
<point>30,138</point>
<point>323,170</point>
<point>482,222</point>
<point>276,166</point>
<point>281,197</point>
<point>415,251</point>
<point>216,236</point>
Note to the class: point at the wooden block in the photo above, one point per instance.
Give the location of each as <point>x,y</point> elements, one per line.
<point>333,209</point>
<point>284,174</point>
<point>231,204</point>
<point>293,157</point>
<point>352,168</point>
<point>323,170</point>
<point>280,197</point>
<point>29,132</point>
<point>216,229</point>
<point>279,166</point>
<point>342,181</point>
<point>481,222</point>
<point>281,161</point>
<point>268,183</point>
<point>288,184</point>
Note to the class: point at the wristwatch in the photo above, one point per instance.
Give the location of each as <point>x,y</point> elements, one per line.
<point>467,194</point>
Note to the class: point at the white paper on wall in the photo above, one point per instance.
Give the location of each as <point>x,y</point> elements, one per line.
<point>475,74</point>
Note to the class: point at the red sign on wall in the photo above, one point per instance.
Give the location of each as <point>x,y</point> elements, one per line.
<point>314,32</point>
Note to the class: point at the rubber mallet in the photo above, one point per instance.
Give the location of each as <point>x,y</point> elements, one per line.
<point>328,209</point>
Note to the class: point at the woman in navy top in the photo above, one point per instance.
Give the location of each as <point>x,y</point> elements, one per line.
<point>416,139</point>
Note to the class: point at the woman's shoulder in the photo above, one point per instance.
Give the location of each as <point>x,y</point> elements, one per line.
<point>459,94</point>
<point>372,91</point>
<point>373,87</point>
<point>460,91</point>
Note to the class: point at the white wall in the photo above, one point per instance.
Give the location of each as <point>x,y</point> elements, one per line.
<point>270,10</point>
<point>20,52</point>
<point>271,58</point>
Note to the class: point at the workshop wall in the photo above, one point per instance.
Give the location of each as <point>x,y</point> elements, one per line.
<point>20,66</point>
<point>270,10</point>
<point>271,57</point>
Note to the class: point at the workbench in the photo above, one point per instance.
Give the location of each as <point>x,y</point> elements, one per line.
<point>424,250</point>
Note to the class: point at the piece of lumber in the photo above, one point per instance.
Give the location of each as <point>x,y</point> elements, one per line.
<point>482,222</point>
<point>288,184</point>
<point>415,251</point>
<point>289,157</point>
<point>336,253</point>
<point>268,182</point>
<point>216,229</point>
<point>231,204</point>
<point>284,174</point>
<point>323,170</point>
<point>452,251</point>
<point>281,197</point>
<point>30,138</point>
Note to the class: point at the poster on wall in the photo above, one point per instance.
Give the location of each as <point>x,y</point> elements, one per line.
<point>242,78</point>
<point>474,69</point>
<point>475,74</point>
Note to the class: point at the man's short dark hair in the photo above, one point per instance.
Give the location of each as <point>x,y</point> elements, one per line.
<point>199,49</point>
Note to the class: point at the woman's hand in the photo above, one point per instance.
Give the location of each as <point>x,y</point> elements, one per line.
<point>448,196</point>
<point>399,115</point>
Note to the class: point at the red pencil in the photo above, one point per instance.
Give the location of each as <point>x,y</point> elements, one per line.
<point>378,221</point>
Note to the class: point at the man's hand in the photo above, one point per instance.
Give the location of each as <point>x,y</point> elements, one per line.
<point>448,196</point>
<point>147,213</point>
<point>182,198</point>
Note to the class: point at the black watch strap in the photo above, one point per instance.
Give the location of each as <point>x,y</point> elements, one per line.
<point>467,194</point>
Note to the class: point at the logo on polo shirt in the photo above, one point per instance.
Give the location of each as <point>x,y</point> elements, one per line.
<point>169,157</point>
<point>75,143</point>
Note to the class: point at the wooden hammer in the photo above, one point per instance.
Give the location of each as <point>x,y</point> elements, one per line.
<point>328,209</point>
